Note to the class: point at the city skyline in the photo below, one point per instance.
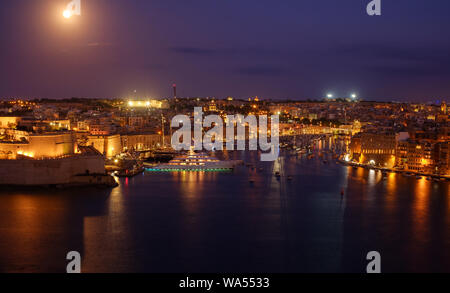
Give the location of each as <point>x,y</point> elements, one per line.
<point>239,49</point>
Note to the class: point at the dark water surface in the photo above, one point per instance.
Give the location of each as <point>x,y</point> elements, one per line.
<point>220,222</point>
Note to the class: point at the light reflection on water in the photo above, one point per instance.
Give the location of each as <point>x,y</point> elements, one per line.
<point>222,222</point>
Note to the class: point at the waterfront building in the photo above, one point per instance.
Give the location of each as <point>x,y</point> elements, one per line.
<point>355,148</point>
<point>420,157</point>
<point>442,158</point>
<point>378,149</point>
<point>140,141</point>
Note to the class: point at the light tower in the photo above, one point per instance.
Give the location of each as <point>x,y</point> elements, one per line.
<point>174,91</point>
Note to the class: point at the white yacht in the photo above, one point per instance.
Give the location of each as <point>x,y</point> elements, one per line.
<point>196,162</point>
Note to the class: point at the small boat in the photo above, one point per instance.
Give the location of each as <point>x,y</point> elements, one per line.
<point>429,178</point>
<point>418,177</point>
<point>137,169</point>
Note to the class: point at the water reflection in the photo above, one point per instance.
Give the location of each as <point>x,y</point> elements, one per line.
<point>38,227</point>
<point>225,222</point>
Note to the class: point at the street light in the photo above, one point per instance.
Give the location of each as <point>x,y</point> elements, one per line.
<point>329,96</point>
<point>354,96</point>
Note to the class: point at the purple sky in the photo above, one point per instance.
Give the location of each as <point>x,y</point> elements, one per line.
<point>270,48</point>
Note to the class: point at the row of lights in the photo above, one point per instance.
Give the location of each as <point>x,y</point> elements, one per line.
<point>131,103</point>
<point>330,96</point>
<point>30,155</point>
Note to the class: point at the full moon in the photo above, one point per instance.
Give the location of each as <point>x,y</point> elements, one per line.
<point>67,14</point>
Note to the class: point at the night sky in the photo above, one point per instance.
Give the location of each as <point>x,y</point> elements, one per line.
<point>294,49</point>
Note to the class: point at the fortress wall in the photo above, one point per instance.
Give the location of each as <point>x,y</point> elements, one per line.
<point>49,171</point>
<point>52,145</point>
<point>109,145</point>
<point>6,122</point>
<point>41,146</point>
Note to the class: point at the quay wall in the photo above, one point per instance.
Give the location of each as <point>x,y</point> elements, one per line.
<point>49,171</point>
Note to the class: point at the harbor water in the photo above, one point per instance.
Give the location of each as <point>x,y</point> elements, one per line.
<point>315,217</point>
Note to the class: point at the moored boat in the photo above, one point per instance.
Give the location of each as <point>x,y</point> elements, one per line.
<point>196,162</point>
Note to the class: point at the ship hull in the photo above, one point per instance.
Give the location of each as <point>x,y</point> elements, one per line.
<point>222,166</point>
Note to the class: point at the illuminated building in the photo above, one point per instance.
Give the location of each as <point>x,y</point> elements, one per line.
<point>442,158</point>
<point>378,147</point>
<point>140,141</point>
<point>419,157</point>
<point>355,147</point>
<point>9,122</point>
<point>136,121</point>
<point>59,124</point>
<point>212,106</point>
<point>82,126</point>
<point>108,145</point>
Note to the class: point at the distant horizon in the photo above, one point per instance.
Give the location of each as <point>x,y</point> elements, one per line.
<point>436,101</point>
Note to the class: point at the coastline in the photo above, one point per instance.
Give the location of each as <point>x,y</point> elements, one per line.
<point>394,170</point>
